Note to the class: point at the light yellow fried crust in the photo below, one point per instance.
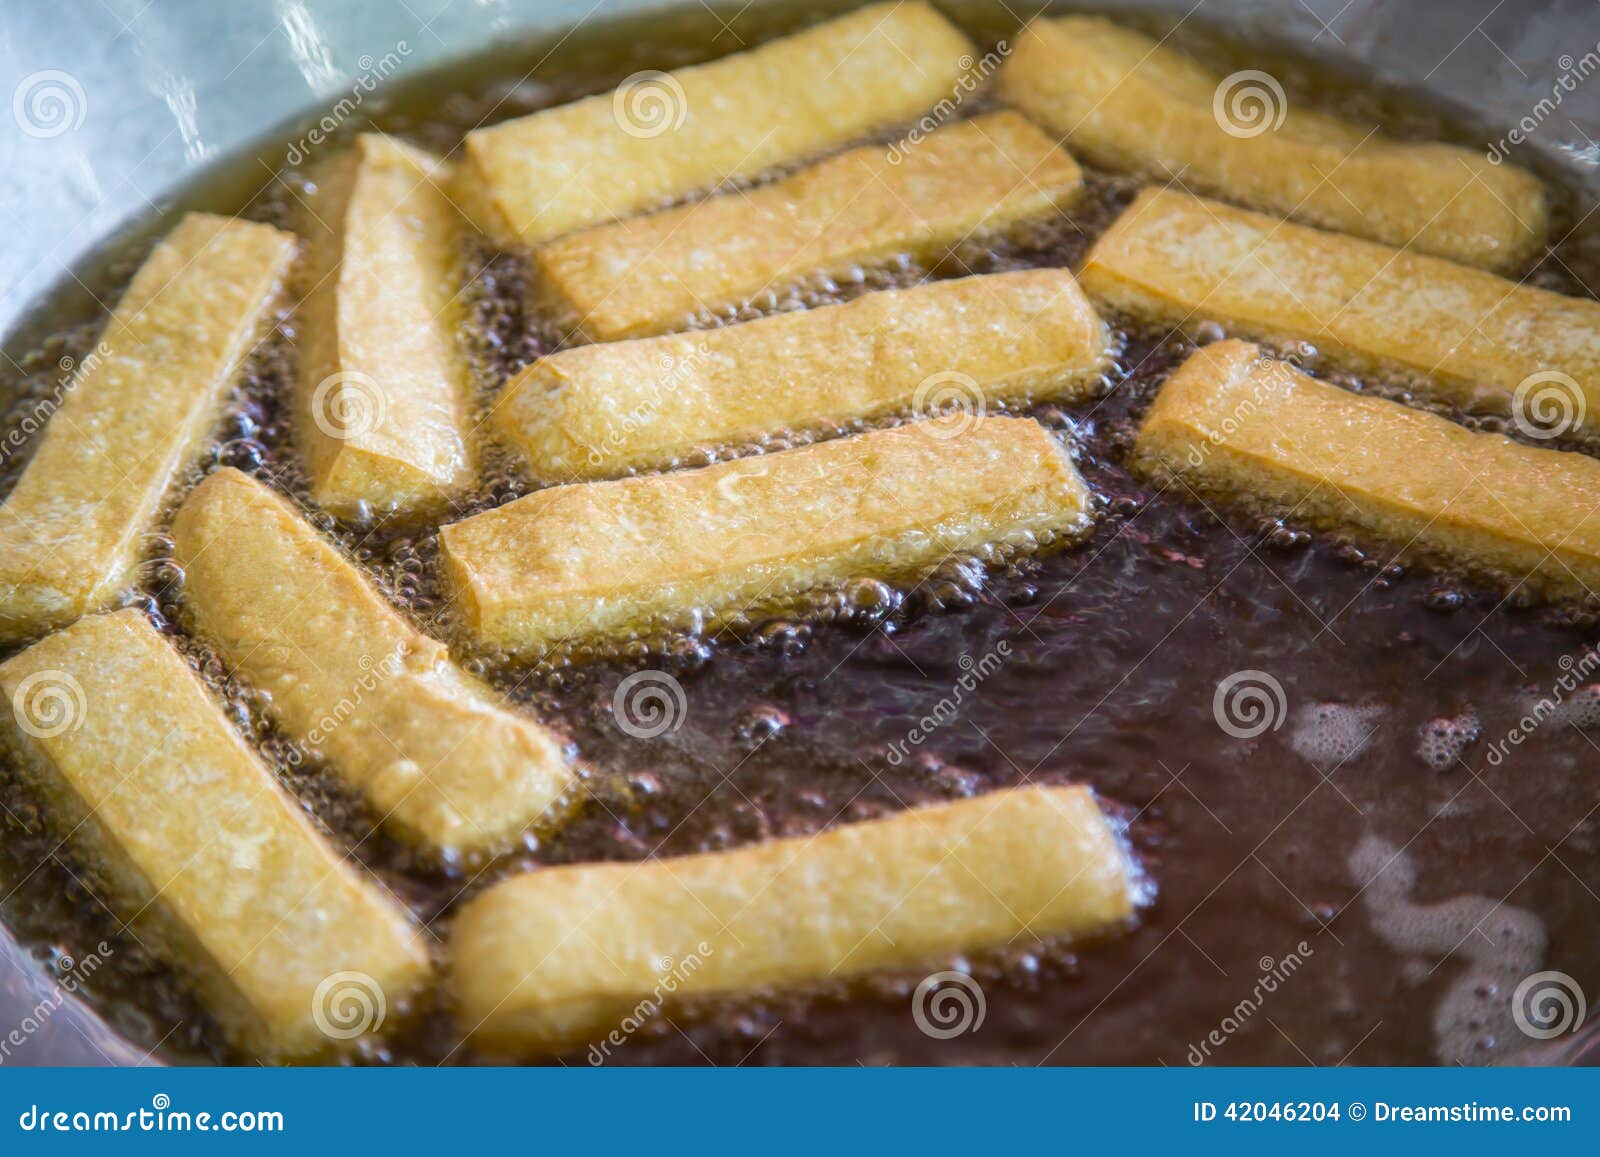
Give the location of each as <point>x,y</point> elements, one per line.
<point>133,417</point>
<point>435,752</point>
<point>1466,337</point>
<point>1254,429</point>
<point>667,551</point>
<point>547,961</point>
<point>659,137</point>
<point>597,411</point>
<point>653,274</point>
<point>194,843</point>
<point>1125,102</point>
<point>383,384</point>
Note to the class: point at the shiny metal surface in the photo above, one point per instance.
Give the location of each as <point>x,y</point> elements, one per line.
<point>114,104</point>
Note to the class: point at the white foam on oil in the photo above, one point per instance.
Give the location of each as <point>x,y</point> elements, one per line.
<point>1331,734</point>
<point>1499,945</point>
<point>1441,741</point>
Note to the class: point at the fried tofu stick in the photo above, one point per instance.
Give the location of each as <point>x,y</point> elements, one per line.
<point>661,136</point>
<point>597,411</point>
<point>1254,429</point>
<point>194,843</point>
<point>642,555</point>
<point>653,274</point>
<point>133,418</point>
<point>434,751</point>
<point>383,390</point>
<point>546,961</point>
<point>1125,102</point>
<point>1468,337</point>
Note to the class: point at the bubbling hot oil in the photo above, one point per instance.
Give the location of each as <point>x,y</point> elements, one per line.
<point>801,716</point>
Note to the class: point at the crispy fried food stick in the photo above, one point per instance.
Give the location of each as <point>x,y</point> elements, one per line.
<point>383,389</point>
<point>133,418</point>
<point>433,750</point>
<point>194,843</point>
<point>1253,429</point>
<point>546,961</point>
<point>653,274</point>
<point>1125,102</point>
<point>596,411</point>
<point>1468,337</point>
<point>661,136</point>
<point>671,550</point>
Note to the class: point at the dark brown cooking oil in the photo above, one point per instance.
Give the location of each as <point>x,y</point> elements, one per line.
<point>1397,686</point>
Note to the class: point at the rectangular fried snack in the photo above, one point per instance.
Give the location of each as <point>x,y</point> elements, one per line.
<point>383,384</point>
<point>641,555</point>
<point>1126,102</point>
<point>546,961</point>
<point>661,136</point>
<point>433,750</point>
<point>1257,430</point>
<point>194,843</point>
<point>653,274</point>
<point>1468,337</point>
<point>596,411</point>
<point>134,417</point>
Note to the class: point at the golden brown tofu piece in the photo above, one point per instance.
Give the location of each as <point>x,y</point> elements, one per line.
<point>1126,102</point>
<point>1466,337</point>
<point>134,417</point>
<point>1256,430</point>
<point>597,411</point>
<point>546,961</point>
<point>641,555</point>
<point>382,412</point>
<point>662,136</point>
<point>653,274</point>
<point>435,752</point>
<point>195,844</point>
